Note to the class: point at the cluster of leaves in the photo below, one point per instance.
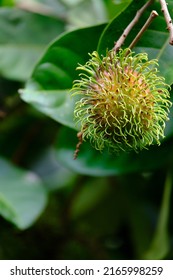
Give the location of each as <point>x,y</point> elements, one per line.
<point>99,206</point>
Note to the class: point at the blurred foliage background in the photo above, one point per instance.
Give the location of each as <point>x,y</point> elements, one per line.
<point>99,206</point>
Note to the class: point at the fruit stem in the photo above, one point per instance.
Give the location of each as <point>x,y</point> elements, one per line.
<point>143,29</point>
<point>122,38</point>
<point>80,140</point>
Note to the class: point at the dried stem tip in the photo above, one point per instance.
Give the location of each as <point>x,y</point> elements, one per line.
<point>123,102</point>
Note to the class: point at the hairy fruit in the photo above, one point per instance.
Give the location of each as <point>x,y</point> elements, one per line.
<point>123,102</point>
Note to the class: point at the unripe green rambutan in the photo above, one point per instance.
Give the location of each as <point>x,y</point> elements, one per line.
<point>123,101</point>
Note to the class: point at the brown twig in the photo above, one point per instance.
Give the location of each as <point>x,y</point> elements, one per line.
<point>143,29</point>
<point>122,38</point>
<point>168,19</point>
<point>79,136</point>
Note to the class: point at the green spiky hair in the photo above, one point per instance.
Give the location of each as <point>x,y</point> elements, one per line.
<point>123,102</point>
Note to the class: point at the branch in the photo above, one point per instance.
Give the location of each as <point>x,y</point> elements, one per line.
<point>122,38</point>
<point>168,20</point>
<point>80,141</point>
<point>144,28</point>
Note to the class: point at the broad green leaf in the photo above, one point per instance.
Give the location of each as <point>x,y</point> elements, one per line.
<point>57,104</point>
<point>92,162</point>
<point>155,41</point>
<point>22,195</point>
<point>23,37</point>
<point>47,90</point>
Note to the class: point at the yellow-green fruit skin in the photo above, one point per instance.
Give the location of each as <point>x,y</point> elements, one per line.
<point>123,102</point>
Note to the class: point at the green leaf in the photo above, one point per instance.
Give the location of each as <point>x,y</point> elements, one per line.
<point>92,162</point>
<point>22,41</point>
<point>22,195</point>
<point>55,72</point>
<point>58,104</point>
